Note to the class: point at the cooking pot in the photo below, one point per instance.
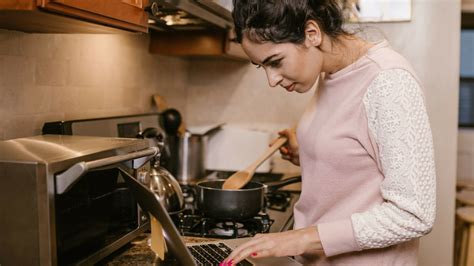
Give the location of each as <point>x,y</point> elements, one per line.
<point>191,158</point>
<point>187,149</point>
<point>235,204</point>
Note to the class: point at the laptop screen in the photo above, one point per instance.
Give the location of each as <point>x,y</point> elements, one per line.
<point>149,203</point>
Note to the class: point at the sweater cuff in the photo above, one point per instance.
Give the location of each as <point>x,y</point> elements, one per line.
<point>337,237</point>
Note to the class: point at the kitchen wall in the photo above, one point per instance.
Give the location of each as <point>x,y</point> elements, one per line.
<point>48,77</point>
<point>238,93</point>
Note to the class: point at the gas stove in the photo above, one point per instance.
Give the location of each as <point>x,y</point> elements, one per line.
<point>276,216</point>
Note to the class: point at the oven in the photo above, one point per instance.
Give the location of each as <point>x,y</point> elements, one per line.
<point>63,200</point>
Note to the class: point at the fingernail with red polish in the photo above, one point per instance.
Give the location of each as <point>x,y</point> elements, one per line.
<point>230,263</point>
<point>254,254</point>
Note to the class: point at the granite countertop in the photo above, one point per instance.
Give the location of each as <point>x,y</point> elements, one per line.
<point>138,252</point>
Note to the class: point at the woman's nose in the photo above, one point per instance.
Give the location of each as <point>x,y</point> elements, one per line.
<point>274,78</point>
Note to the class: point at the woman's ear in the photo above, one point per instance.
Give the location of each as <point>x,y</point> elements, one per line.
<point>313,35</point>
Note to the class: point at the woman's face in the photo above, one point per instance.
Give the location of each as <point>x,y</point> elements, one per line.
<point>292,66</point>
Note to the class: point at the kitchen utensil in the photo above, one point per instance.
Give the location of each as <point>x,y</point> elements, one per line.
<point>171,121</point>
<point>239,204</point>
<point>241,178</point>
<point>160,103</point>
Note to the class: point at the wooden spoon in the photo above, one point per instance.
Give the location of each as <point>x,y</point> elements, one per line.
<point>241,178</point>
<point>160,103</point>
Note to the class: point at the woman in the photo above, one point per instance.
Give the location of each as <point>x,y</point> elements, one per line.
<point>364,144</point>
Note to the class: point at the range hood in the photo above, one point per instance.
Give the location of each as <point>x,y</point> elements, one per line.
<point>189,14</point>
<point>193,28</point>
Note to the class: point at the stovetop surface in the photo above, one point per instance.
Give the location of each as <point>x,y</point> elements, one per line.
<point>276,216</point>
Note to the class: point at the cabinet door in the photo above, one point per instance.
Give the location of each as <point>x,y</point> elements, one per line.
<point>125,14</point>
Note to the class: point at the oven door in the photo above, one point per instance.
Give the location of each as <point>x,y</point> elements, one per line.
<point>95,211</point>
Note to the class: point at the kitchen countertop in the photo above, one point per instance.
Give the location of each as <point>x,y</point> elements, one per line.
<point>138,252</point>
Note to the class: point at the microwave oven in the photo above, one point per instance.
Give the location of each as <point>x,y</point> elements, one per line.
<point>63,200</point>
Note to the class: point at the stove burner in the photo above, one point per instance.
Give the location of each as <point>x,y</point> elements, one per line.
<point>278,200</point>
<point>229,228</point>
<point>194,224</point>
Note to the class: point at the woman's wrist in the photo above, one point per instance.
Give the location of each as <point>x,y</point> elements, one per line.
<point>312,239</point>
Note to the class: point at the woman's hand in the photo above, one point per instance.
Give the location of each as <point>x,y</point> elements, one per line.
<point>289,151</point>
<point>289,243</point>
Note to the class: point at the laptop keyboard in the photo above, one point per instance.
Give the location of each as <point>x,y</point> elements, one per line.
<point>212,254</point>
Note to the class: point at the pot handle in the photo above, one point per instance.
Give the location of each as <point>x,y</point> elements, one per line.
<point>272,186</point>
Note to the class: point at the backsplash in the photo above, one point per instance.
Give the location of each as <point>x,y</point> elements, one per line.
<point>47,77</point>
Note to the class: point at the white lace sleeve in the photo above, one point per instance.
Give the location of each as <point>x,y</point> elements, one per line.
<point>399,123</point>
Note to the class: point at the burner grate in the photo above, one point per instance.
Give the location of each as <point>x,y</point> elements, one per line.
<point>190,224</point>
<point>278,200</point>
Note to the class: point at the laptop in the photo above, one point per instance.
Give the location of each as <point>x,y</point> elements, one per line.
<point>207,253</point>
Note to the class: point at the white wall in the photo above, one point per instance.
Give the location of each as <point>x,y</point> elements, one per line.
<point>238,93</point>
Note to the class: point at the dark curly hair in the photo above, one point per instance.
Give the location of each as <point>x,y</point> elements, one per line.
<point>282,21</point>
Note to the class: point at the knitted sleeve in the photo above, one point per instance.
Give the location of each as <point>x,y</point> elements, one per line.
<point>399,123</point>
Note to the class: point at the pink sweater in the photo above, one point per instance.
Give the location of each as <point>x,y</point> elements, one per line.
<point>367,163</point>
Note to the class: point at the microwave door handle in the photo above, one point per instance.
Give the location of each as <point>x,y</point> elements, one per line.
<point>66,179</point>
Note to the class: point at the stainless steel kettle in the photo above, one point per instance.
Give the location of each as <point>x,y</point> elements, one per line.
<point>163,184</point>
<point>166,188</point>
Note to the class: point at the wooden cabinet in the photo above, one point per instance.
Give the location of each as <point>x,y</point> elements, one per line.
<point>81,16</point>
<point>112,16</point>
<point>198,43</point>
